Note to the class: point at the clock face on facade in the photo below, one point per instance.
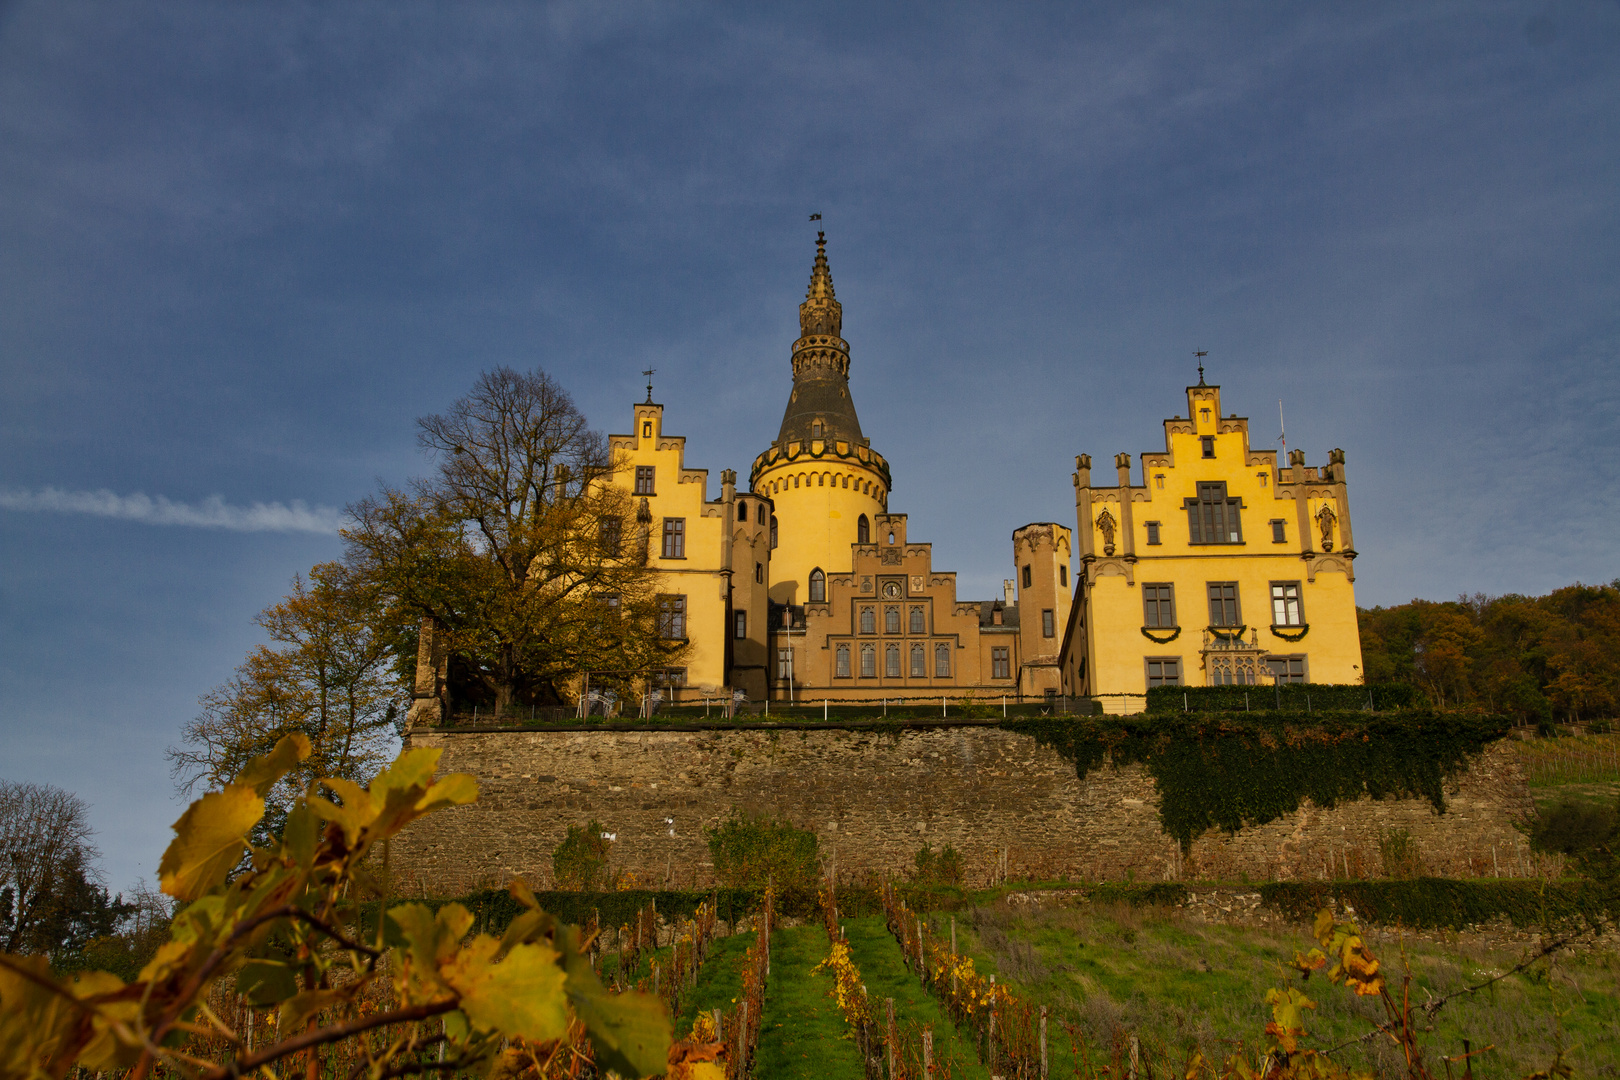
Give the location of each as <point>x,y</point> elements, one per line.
<point>891,588</point>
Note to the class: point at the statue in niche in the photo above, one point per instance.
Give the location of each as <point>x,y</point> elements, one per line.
<point>1325,518</point>
<point>1105,522</point>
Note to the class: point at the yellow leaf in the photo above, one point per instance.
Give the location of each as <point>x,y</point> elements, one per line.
<point>457,789</point>
<point>522,893</point>
<point>1324,926</point>
<point>412,769</point>
<point>299,1008</point>
<point>262,772</point>
<point>521,995</point>
<point>209,840</point>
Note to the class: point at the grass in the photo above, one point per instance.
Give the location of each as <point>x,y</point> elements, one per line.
<point>1572,768</point>
<point>802,1034</point>
<point>719,983</point>
<point>1113,970</point>
<point>877,954</point>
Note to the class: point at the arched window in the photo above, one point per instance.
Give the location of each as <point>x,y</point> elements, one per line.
<point>863,531</point>
<point>868,661</point>
<point>917,621</point>
<point>818,587</point>
<point>842,670</point>
<point>919,663</point>
<point>891,620</point>
<point>868,620</point>
<point>773,530</point>
<point>942,661</point>
<point>891,536</point>
<point>761,513</point>
<point>891,661</point>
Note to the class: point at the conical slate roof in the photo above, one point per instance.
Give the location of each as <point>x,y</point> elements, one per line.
<point>820,366</point>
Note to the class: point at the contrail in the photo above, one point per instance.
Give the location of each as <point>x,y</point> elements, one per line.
<point>211,513</point>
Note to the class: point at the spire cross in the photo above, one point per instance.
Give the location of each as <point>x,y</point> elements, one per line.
<point>649,373</point>
<point>1201,354</point>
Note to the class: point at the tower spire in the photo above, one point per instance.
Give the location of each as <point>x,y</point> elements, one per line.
<point>821,313</point>
<point>820,406</point>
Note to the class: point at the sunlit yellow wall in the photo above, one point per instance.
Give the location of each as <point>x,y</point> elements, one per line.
<point>820,490</point>
<point>683,493</point>
<point>1116,647</point>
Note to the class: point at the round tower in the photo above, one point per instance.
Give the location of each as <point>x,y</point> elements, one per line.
<point>826,481</point>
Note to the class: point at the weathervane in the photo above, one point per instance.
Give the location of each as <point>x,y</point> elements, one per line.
<point>649,373</point>
<point>1201,354</point>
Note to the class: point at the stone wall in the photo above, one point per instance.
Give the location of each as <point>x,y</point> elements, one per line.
<point>874,798</point>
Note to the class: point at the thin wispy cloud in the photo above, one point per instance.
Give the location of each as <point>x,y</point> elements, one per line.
<point>211,513</point>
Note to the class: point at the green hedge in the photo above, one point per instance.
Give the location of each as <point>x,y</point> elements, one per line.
<point>1447,903</point>
<point>1227,770</point>
<point>1285,697</point>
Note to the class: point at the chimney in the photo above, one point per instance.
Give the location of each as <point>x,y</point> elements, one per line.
<point>1009,589</point>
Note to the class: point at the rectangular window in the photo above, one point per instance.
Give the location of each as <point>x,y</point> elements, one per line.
<point>868,662</point>
<point>759,573</point>
<point>868,620</point>
<point>739,624</point>
<point>1063,575</point>
<point>784,664</point>
<point>672,616</point>
<point>1048,623</point>
<point>918,623</point>
<point>1027,578</point>
<point>891,661</point>
<point>1212,517</point>
<point>1287,669</point>
<point>612,536</point>
<point>1223,604</point>
<point>644,479</point>
<point>1000,663</point>
<point>841,664</point>
<point>1158,606</point>
<point>942,661</point>
<point>1285,603</point>
<point>1152,532</point>
<point>1279,534</point>
<point>919,662</point>
<point>674,538</point>
<point>1209,445</point>
<point>891,621</point>
<point>1164,672</point>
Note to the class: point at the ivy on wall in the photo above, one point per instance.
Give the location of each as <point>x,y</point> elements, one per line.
<point>1230,770</point>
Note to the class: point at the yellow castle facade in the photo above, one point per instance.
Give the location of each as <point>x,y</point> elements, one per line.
<point>1219,567</point>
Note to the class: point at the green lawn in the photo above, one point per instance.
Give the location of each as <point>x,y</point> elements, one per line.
<point>802,1033</point>
<point>719,981</point>
<point>1107,971</point>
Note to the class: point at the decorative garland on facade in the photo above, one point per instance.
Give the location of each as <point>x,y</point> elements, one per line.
<point>1162,640</point>
<point>1304,628</point>
<point>1229,634</point>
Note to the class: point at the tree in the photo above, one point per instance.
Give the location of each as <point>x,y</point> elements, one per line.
<point>329,677</point>
<point>50,900</point>
<point>512,548</point>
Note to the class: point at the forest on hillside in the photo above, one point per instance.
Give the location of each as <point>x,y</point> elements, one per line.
<point>1543,659</point>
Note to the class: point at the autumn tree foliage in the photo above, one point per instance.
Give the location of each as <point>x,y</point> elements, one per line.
<point>329,674</point>
<point>518,547</point>
<point>1540,658</point>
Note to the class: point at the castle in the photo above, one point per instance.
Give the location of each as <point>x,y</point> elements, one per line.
<point>806,586</point>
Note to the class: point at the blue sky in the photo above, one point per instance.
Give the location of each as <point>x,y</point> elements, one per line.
<point>243,246</point>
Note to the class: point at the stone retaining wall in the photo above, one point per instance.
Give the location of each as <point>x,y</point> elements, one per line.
<point>874,798</point>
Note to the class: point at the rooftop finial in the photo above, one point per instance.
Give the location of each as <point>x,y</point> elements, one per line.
<point>650,372</point>
<point>1201,354</point>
